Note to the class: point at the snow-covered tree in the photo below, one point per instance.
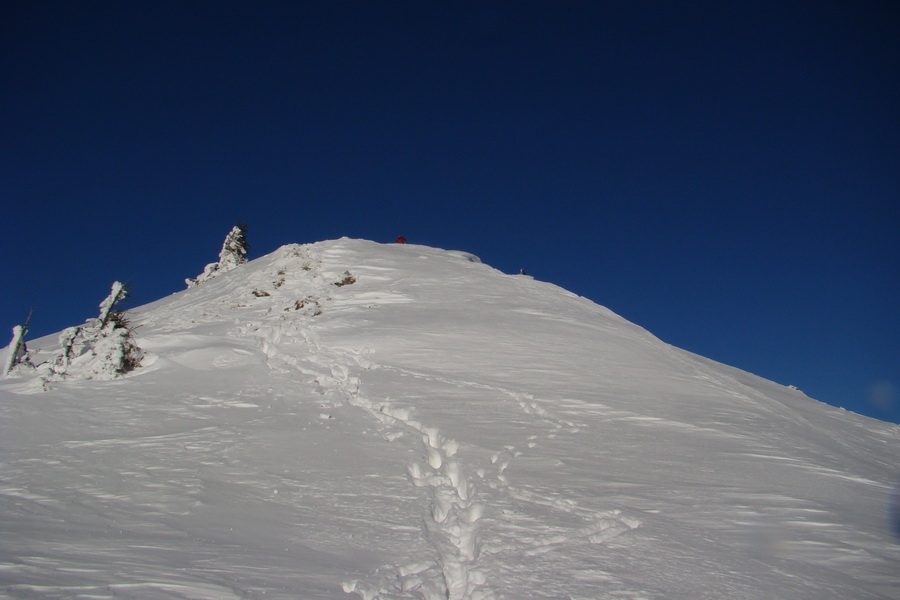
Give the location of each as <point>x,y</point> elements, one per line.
<point>234,253</point>
<point>102,348</point>
<point>17,352</point>
<point>70,344</point>
<point>115,352</point>
<point>117,294</point>
<point>234,249</point>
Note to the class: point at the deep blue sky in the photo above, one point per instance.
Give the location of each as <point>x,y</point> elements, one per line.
<point>725,174</point>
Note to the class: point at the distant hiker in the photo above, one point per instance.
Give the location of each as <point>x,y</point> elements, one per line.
<point>401,239</point>
<point>522,272</point>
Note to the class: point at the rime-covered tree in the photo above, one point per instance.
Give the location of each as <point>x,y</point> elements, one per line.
<point>102,348</point>
<point>17,353</point>
<point>114,350</point>
<point>116,294</point>
<point>234,249</point>
<point>234,253</point>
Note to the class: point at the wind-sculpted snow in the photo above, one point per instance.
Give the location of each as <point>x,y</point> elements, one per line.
<point>349,419</point>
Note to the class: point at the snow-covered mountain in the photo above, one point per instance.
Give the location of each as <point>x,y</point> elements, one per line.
<point>350,419</point>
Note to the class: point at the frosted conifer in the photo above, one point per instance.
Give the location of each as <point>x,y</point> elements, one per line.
<point>233,253</point>
<point>234,249</point>
<point>17,350</point>
<point>102,348</point>
<point>17,353</point>
<point>116,294</point>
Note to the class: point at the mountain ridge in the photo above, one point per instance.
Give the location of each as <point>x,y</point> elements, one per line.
<point>397,421</point>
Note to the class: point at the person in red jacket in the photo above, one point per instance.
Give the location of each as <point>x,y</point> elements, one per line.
<point>401,239</point>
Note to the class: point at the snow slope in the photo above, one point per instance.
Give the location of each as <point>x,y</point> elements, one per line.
<point>430,428</point>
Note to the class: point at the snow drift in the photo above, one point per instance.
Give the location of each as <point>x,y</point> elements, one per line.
<point>350,419</point>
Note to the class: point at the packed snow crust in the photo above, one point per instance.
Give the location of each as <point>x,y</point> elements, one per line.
<point>351,419</point>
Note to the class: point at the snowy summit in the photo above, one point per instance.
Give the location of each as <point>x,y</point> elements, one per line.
<point>350,419</point>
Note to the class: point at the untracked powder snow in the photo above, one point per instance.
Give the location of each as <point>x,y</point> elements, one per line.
<point>349,419</point>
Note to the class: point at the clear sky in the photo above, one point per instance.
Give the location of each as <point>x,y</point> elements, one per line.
<point>725,174</point>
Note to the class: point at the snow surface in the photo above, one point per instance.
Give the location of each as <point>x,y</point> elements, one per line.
<point>430,428</point>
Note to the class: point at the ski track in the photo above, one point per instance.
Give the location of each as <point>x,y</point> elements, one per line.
<point>463,564</point>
